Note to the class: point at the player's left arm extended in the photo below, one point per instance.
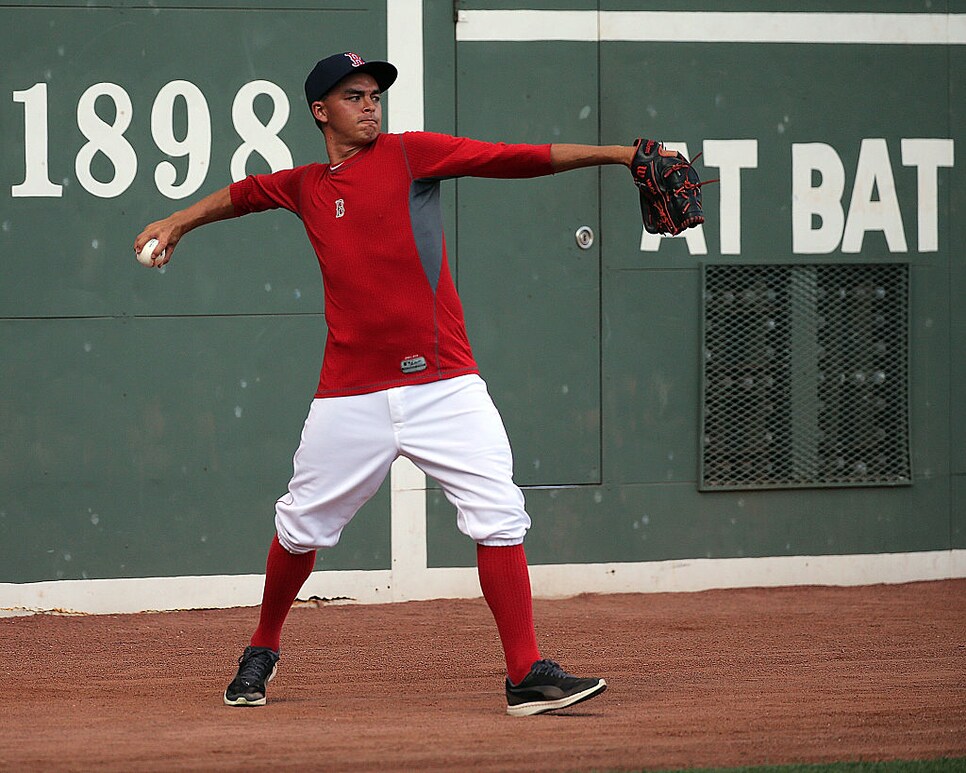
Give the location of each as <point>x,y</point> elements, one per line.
<point>564,156</point>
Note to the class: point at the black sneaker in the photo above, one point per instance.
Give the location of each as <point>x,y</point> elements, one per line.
<point>548,687</point>
<point>256,667</point>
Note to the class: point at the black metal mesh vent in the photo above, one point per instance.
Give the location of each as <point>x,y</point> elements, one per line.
<point>805,379</point>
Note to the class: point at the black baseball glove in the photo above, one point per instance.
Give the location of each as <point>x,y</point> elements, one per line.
<point>669,187</point>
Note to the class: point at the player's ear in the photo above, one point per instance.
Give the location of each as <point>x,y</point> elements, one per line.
<point>318,111</point>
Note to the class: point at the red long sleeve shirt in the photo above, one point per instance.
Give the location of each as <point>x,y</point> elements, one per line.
<point>391,307</point>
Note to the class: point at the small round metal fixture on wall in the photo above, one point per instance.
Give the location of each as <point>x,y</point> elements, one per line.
<point>584,237</point>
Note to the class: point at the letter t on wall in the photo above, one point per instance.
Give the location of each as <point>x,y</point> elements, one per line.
<point>731,156</point>
<point>927,155</point>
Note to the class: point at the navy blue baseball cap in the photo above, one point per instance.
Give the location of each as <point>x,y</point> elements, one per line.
<point>332,69</point>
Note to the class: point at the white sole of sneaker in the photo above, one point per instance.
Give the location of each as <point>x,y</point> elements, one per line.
<point>242,701</point>
<point>540,707</point>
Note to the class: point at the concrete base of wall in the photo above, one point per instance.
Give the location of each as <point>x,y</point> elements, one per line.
<point>549,581</point>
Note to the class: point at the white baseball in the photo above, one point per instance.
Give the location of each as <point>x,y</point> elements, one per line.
<point>145,255</point>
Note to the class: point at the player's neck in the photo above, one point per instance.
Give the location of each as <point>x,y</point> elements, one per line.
<point>340,152</point>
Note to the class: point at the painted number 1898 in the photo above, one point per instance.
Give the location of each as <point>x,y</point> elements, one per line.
<point>106,137</point>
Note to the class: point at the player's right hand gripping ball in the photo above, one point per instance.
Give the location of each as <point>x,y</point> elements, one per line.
<point>670,188</point>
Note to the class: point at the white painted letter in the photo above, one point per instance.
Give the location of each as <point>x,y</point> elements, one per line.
<point>874,174</point>
<point>730,156</point>
<point>927,155</point>
<point>823,200</point>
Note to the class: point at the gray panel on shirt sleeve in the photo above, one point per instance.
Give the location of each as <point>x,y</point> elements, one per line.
<point>426,217</point>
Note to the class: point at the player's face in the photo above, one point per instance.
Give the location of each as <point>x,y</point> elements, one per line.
<point>352,111</point>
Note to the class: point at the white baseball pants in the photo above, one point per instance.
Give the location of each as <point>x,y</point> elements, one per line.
<point>450,429</point>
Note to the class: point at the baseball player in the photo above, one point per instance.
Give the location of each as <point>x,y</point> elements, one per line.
<point>398,376</point>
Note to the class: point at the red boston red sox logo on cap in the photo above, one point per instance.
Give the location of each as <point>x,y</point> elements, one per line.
<point>357,61</point>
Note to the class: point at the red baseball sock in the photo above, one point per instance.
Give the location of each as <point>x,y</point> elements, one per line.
<point>505,581</point>
<point>285,574</point>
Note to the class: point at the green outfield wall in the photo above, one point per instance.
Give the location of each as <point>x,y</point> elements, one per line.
<point>786,381</point>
